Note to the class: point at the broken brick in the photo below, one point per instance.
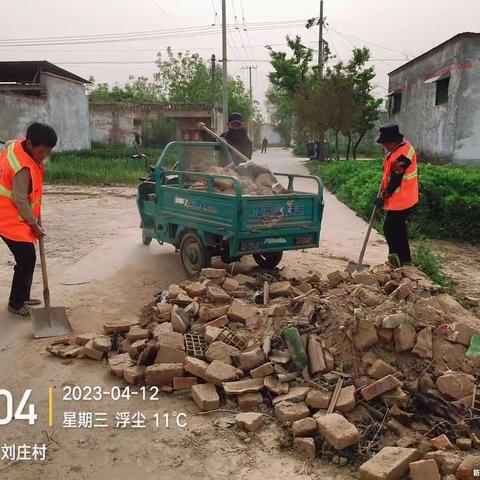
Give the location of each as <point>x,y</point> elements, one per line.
<point>213,272</point>
<point>249,401</point>
<point>337,430</point>
<point>364,278</point>
<point>274,385</point>
<point>287,412</point>
<point>216,294</point>
<point>195,366</point>
<point>118,327</point>
<point>83,338</point>
<point>184,383</point>
<point>91,352</point>
<point>391,463</point>
<point>262,371</point>
<point>118,363</point>
<point>196,289</point>
<point>441,442</point>
<point>281,289</point>
<point>305,447</point>
<point>367,297</point>
<point>404,337</point>
<point>337,277</point>
<point>315,356</point>
<point>230,285</point>
<point>221,351</point>
<point>318,399</point>
<point>380,369</point>
<point>134,374</point>
<point>249,421</point>
<point>306,427</point>
<point>219,372</point>
<point>206,314</point>
<point>240,312</point>
<point>424,347</point>
<point>218,322</point>
<point>137,333</point>
<point>163,373</point>
<point>365,335</point>
<point>456,385</point>
<point>463,443</point>
<point>346,400</point>
<point>447,461</point>
<point>295,394</point>
<point>205,396</point>
<point>211,333</point>
<point>250,359</point>
<point>380,387</point>
<point>468,468</point>
<point>243,386</point>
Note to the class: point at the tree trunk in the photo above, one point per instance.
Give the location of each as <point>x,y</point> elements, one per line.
<point>337,154</point>
<point>357,143</point>
<point>349,145</point>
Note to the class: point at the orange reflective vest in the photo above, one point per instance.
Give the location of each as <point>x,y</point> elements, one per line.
<point>12,159</point>
<point>406,195</point>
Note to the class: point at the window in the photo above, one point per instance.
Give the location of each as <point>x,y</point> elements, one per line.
<point>137,122</point>
<point>397,102</point>
<point>441,95</point>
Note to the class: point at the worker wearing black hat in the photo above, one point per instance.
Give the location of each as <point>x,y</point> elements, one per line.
<point>237,137</point>
<point>399,191</point>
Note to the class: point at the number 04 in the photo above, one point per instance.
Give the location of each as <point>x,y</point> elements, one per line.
<point>31,416</point>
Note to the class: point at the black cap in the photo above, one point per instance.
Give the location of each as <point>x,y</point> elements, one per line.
<point>390,133</point>
<point>235,117</point>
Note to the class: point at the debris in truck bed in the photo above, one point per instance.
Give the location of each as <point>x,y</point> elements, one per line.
<point>357,368</point>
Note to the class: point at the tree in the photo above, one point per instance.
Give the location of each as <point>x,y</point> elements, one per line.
<point>368,106</point>
<point>182,77</point>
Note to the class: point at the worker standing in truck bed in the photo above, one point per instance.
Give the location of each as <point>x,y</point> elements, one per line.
<point>237,137</point>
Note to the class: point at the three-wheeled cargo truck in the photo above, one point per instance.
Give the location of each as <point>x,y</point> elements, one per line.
<point>204,224</point>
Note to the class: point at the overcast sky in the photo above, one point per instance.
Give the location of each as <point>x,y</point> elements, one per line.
<point>395,30</point>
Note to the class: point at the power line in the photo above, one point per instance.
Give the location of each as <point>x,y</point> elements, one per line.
<point>160,8</point>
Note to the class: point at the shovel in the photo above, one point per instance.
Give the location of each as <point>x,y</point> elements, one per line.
<point>352,266</point>
<point>48,321</point>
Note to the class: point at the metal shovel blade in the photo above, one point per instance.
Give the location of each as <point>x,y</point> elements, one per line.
<point>51,322</point>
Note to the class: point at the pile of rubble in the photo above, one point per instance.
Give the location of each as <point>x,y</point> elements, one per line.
<point>367,369</point>
<point>254,179</point>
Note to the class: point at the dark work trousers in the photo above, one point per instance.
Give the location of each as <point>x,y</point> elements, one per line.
<point>25,258</point>
<point>264,149</point>
<point>395,230</point>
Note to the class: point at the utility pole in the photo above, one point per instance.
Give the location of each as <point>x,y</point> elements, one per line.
<point>320,41</point>
<point>250,123</point>
<point>224,63</point>
<point>214,102</point>
<point>321,143</point>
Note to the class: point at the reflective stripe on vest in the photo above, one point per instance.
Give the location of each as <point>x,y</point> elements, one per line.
<point>5,192</point>
<point>406,195</point>
<point>12,159</point>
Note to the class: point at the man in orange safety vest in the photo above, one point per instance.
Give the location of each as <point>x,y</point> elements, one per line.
<point>399,191</point>
<point>21,187</point>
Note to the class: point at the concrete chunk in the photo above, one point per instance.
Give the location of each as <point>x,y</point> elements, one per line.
<point>337,430</point>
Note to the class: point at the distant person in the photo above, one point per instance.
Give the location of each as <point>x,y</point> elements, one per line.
<point>264,145</point>
<point>237,137</point>
<point>137,139</point>
<point>399,192</point>
<point>21,186</point>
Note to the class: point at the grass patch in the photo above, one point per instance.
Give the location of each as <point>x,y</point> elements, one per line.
<point>430,264</point>
<point>449,196</point>
<point>99,165</point>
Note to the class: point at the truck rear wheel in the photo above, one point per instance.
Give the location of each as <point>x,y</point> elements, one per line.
<point>146,240</point>
<point>268,260</point>
<point>194,254</point>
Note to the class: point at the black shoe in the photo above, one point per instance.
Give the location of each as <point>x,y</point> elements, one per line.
<point>23,311</point>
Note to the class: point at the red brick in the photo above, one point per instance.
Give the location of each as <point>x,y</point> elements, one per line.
<point>163,373</point>
<point>184,383</point>
<point>249,421</point>
<point>380,387</point>
<point>205,396</point>
<point>337,430</point>
<point>391,463</point>
<point>249,401</point>
<point>305,447</point>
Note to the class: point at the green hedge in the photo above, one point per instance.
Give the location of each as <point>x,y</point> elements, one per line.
<point>449,204</point>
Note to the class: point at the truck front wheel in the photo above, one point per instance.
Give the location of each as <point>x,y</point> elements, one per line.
<point>194,254</point>
<point>268,260</point>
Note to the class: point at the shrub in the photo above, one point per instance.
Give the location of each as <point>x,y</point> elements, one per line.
<point>449,205</point>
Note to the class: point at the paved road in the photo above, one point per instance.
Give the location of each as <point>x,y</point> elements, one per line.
<point>342,230</point>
